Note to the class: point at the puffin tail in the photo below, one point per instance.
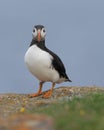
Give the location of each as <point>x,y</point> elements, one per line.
<point>67,78</point>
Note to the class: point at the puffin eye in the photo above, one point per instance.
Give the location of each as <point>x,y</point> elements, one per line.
<point>43,33</point>
<point>33,30</point>
<point>44,30</point>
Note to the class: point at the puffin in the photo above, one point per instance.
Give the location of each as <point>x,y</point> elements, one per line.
<point>44,64</point>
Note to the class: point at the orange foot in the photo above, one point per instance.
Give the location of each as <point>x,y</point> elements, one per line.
<point>47,94</point>
<point>35,94</point>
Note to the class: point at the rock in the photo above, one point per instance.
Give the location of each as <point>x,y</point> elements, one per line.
<point>27,122</point>
<point>19,106</point>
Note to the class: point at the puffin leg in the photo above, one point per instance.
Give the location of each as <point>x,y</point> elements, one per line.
<point>49,93</point>
<point>39,91</point>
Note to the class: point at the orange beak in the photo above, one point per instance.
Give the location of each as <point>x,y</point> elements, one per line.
<point>39,36</point>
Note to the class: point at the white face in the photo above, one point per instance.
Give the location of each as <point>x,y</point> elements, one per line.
<point>39,34</point>
<point>43,33</point>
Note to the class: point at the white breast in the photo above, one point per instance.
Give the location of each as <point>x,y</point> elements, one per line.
<point>39,64</point>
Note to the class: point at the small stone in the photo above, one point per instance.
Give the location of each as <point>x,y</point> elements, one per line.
<point>22,109</point>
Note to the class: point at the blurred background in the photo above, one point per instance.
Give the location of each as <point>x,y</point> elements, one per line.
<point>75,31</point>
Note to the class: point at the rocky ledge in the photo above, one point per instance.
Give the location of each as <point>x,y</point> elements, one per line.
<point>14,108</point>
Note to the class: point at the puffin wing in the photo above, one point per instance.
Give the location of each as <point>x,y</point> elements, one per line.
<point>58,65</point>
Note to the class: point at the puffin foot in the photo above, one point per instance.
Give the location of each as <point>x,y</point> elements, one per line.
<point>35,95</point>
<point>39,91</point>
<point>47,94</point>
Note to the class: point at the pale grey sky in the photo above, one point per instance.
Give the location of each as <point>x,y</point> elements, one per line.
<point>75,31</point>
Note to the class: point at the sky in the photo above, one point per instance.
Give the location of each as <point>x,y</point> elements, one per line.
<point>75,31</point>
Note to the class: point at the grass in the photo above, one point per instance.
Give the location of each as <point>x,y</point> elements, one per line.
<point>85,113</point>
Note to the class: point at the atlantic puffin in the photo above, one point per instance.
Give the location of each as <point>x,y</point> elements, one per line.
<point>44,64</point>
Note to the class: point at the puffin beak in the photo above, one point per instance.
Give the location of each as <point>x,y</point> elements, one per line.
<point>39,36</point>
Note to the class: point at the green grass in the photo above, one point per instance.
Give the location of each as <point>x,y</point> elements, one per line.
<point>85,113</point>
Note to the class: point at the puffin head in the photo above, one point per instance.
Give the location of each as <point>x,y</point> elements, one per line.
<point>39,33</point>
